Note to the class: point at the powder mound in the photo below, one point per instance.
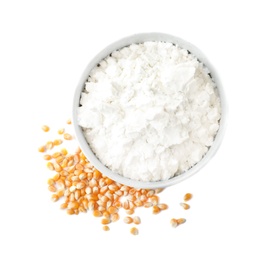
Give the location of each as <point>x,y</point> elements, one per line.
<point>150,111</point>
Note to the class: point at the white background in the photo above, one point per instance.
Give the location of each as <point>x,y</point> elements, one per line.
<point>44,48</point>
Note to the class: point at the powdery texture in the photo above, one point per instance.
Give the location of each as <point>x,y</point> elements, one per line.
<point>150,111</point>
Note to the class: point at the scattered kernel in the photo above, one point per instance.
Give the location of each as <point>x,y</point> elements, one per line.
<point>64,151</point>
<point>69,122</point>
<point>181,221</point>
<point>155,209</point>
<point>163,206</point>
<point>115,217</point>
<point>47,157</point>
<point>134,231</point>
<point>61,131</point>
<point>136,220</point>
<point>106,228</point>
<point>188,196</point>
<point>112,209</point>
<point>55,155</point>
<point>174,222</point>
<point>105,221</point>
<point>57,142</point>
<point>185,205</point>
<point>55,197</point>
<point>52,188</point>
<point>42,149</point>
<point>70,211</point>
<point>128,220</point>
<point>51,181</point>
<point>49,145</point>
<point>45,128</point>
<point>50,166</point>
<point>67,136</point>
<point>97,213</point>
<point>63,206</point>
<point>130,211</point>
<point>84,188</point>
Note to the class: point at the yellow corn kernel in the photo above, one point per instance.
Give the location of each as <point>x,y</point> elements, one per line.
<point>67,136</point>
<point>106,214</point>
<point>70,211</point>
<point>96,174</point>
<point>77,194</point>
<point>56,154</point>
<point>82,209</point>
<point>174,222</point>
<point>49,145</point>
<point>59,159</point>
<point>128,220</point>
<point>60,193</point>
<point>73,205</point>
<point>188,196</point>
<point>80,185</point>
<point>63,205</point>
<point>156,209</point>
<point>125,205</point>
<point>150,193</point>
<point>106,228</point>
<point>130,211</point>
<point>61,131</point>
<point>148,204</point>
<point>154,199</point>
<point>79,167</point>
<point>56,177</point>
<point>69,122</point>
<point>105,221</point>
<point>132,191</point>
<point>64,163</point>
<point>64,151</point>
<point>185,206</point>
<point>42,149</point>
<point>51,181</point>
<point>115,217</point>
<point>134,231</point>
<point>138,203</point>
<point>163,206</point>
<point>57,167</point>
<point>61,183</point>
<point>180,221</point>
<point>52,188</point>
<point>159,190</point>
<point>77,172</point>
<point>57,142</point>
<point>112,210</point>
<point>47,157</point>
<point>101,209</point>
<point>108,181</point>
<point>91,204</point>
<point>97,213</point>
<point>76,158</point>
<point>136,220</point>
<point>55,197</point>
<point>50,166</point>
<point>45,128</point>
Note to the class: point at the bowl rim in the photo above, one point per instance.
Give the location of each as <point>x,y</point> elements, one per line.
<point>126,41</point>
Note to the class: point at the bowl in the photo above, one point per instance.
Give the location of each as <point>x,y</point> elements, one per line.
<point>140,38</point>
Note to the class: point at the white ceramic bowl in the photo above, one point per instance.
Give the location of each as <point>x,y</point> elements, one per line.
<point>139,38</point>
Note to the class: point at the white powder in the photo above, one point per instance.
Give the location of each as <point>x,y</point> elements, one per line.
<point>150,111</point>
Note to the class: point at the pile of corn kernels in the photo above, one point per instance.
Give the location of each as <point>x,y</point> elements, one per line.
<point>83,188</point>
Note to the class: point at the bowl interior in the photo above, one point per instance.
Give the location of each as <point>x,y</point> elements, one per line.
<point>140,38</point>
